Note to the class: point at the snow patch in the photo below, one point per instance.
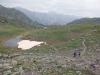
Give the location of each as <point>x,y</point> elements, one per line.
<point>27,44</point>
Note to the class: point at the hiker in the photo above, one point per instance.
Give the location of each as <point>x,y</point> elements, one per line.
<point>75,54</point>
<point>79,53</point>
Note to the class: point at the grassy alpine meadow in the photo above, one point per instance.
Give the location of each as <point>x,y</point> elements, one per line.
<point>56,56</point>
<point>56,35</point>
<point>9,33</point>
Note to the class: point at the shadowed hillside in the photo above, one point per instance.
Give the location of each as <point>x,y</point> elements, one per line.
<point>16,18</point>
<point>86,20</point>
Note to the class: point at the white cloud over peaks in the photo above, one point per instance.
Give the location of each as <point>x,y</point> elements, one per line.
<point>73,7</point>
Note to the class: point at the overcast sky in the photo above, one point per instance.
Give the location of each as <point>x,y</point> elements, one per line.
<point>86,8</point>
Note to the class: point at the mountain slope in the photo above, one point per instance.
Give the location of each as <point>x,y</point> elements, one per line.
<point>50,18</point>
<point>15,17</point>
<point>86,20</point>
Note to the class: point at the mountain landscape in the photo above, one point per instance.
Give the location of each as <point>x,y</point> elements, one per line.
<point>17,18</point>
<point>51,18</point>
<point>56,56</point>
<point>86,20</point>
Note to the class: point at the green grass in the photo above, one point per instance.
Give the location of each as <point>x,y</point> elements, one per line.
<point>52,33</point>
<point>8,33</point>
<point>58,36</point>
<point>59,42</point>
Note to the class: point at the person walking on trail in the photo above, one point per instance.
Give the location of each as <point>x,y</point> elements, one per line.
<point>75,54</point>
<point>79,53</point>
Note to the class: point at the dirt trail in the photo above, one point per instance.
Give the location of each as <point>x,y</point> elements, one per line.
<point>84,46</point>
<point>69,29</point>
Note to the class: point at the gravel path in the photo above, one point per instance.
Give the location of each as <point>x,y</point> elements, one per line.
<point>84,46</point>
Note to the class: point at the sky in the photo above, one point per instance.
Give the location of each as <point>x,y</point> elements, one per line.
<point>85,8</point>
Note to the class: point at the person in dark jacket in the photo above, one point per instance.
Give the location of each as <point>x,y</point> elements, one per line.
<point>75,54</point>
<point>79,53</point>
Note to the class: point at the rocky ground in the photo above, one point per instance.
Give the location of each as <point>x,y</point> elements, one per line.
<point>31,64</point>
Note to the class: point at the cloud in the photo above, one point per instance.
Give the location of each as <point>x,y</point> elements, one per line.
<point>72,7</point>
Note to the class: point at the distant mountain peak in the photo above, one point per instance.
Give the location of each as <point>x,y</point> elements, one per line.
<point>52,12</point>
<point>49,18</point>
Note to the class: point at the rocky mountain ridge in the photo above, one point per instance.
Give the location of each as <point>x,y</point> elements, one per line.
<point>51,18</point>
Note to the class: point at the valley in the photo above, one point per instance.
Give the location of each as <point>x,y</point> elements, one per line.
<point>56,57</point>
